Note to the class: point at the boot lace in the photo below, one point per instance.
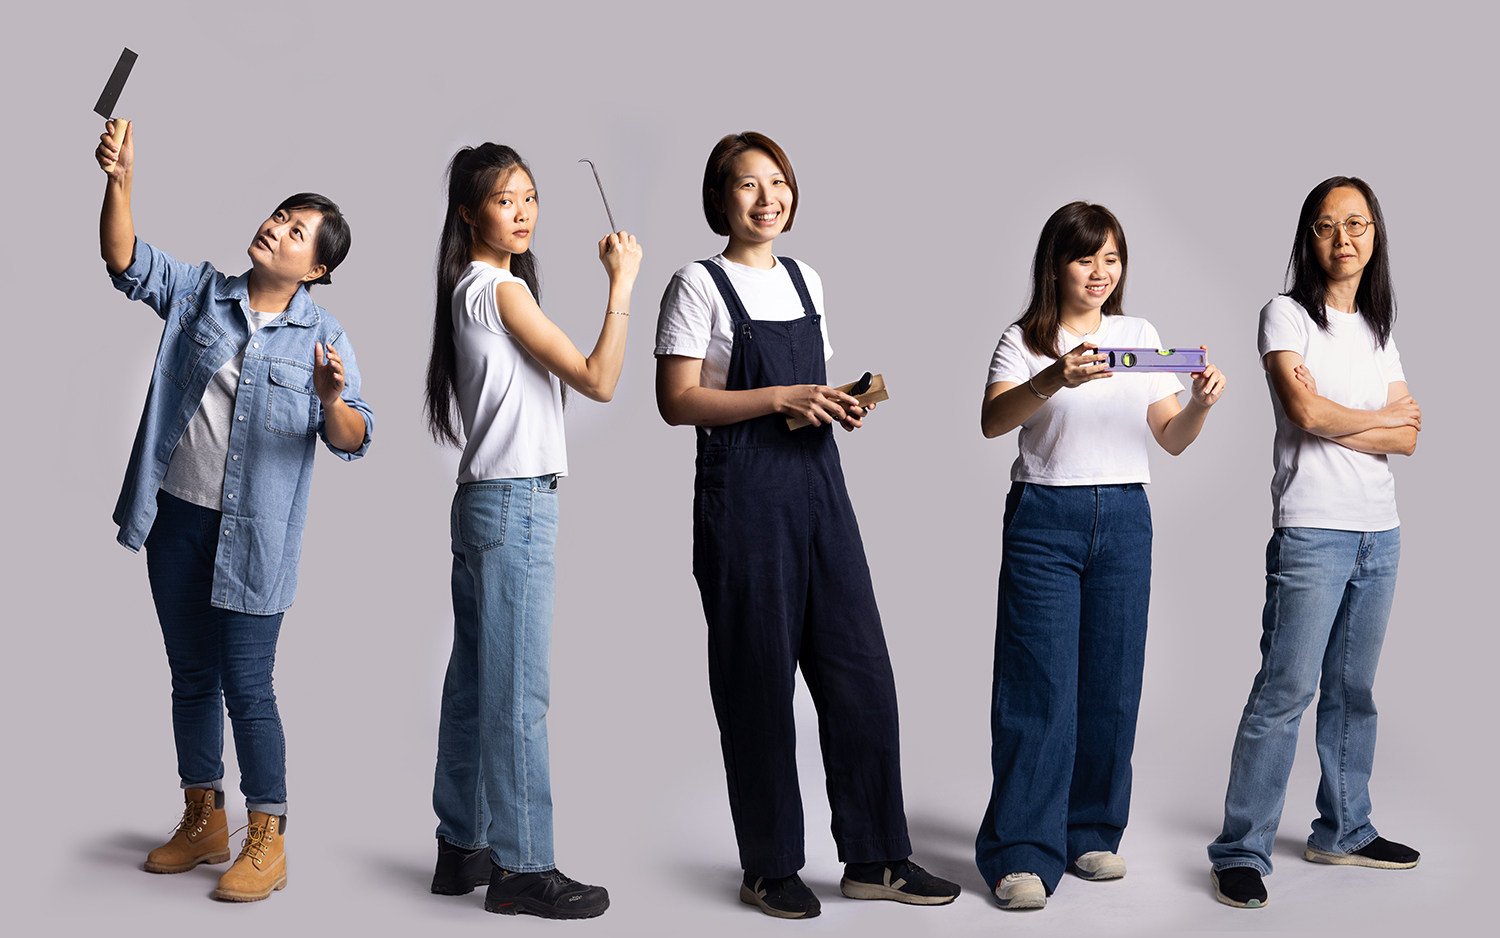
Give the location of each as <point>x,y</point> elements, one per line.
<point>195,816</point>
<point>257,841</point>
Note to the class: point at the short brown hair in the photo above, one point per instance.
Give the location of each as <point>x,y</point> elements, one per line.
<point>716,174</point>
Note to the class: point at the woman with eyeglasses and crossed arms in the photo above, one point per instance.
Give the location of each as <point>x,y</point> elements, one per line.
<point>1342,407</point>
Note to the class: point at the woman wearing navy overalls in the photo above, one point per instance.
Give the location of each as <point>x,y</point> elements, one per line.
<point>741,346</point>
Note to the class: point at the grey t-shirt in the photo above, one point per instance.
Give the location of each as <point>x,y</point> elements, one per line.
<point>196,473</point>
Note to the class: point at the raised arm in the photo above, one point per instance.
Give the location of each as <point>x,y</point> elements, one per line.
<point>1319,416</point>
<point>681,400</point>
<point>116,227</point>
<point>594,376</point>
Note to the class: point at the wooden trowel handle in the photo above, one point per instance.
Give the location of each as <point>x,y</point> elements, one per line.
<point>117,136</point>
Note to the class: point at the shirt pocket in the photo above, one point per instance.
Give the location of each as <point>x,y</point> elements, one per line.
<point>289,409</point>
<point>192,334</point>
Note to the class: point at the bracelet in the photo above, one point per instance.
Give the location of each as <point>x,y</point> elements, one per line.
<point>1032,388</point>
<point>615,312</point>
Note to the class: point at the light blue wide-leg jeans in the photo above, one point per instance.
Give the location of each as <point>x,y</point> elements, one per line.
<point>1328,596</point>
<point>492,785</point>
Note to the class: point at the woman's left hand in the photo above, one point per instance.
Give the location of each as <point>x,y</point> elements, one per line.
<point>854,416</point>
<point>328,374</point>
<point>1208,384</point>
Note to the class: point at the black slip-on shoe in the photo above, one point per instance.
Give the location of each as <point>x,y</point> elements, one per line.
<point>1241,887</point>
<point>547,894</point>
<point>781,897</point>
<point>897,880</point>
<point>1378,854</point>
<point>458,870</point>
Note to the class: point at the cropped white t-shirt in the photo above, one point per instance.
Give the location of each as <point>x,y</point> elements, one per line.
<point>1317,482</point>
<point>695,322</point>
<point>1096,433</point>
<point>511,406</point>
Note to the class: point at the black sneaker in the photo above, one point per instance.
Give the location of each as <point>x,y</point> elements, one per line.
<point>549,894</point>
<point>1378,854</point>
<point>897,880</point>
<point>782,897</point>
<point>459,870</point>
<point>1241,887</point>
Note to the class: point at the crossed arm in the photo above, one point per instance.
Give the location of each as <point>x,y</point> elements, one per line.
<point>1391,429</point>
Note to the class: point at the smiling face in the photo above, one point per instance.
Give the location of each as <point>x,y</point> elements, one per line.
<point>757,200</point>
<point>505,222</point>
<point>1084,283</point>
<point>285,246</point>
<point>1342,257</point>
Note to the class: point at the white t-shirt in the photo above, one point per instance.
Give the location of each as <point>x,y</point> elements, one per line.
<point>1318,483</point>
<point>511,406</point>
<point>695,321</point>
<point>1096,433</point>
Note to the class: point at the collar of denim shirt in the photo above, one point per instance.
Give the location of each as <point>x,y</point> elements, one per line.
<point>301,311</point>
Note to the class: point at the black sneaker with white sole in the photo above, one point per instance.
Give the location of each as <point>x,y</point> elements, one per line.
<point>458,870</point>
<point>1241,887</point>
<point>548,894</point>
<point>781,896</point>
<point>1378,854</point>
<point>897,880</point>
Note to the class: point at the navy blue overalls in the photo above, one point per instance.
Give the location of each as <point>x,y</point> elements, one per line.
<point>781,567</point>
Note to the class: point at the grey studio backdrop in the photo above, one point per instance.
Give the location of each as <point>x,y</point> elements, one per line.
<point>930,142</point>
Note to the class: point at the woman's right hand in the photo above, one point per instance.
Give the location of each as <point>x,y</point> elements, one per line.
<point>620,253</point>
<point>816,403</point>
<point>1403,412</point>
<point>1080,366</point>
<point>116,163</point>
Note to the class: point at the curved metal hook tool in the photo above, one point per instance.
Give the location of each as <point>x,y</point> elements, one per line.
<point>607,212</point>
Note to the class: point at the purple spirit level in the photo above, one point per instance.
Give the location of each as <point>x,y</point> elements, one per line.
<point>1185,360</point>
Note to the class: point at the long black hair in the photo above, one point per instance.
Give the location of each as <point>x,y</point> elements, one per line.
<point>1307,282</point>
<point>1078,229</point>
<point>472,175</point>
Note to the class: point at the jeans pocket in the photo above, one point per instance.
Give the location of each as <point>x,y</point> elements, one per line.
<point>483,513</point>
<point>289,409</point>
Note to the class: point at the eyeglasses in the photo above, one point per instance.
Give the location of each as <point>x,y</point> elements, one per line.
<point>1354,226</point>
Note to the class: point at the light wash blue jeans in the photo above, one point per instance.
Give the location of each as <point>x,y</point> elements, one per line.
<point>492,785</point>
<point>1328,596</point>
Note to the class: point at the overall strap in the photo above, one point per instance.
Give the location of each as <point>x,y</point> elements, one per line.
<point>795,273</point>
<point>737,313</point>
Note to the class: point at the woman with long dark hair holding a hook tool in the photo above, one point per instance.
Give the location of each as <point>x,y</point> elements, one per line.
<point>1075,569</point>
<point>498,365</point>
<point>1342,408</point>
<point>249,374</point>
<point>741,345</point>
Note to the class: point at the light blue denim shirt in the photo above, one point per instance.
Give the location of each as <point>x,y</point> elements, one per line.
<point>277,417</point>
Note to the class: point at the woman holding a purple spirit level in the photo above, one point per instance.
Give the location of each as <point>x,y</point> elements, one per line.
<point>1075,570</point>
<point>1342,407</point>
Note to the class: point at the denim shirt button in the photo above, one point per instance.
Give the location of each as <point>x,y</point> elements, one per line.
<point>235,457</point>
<point>240,417</point>
<point>231,495</point>
<point>226,532</point>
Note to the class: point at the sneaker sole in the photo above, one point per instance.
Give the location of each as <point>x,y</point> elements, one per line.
<point>150,867</point>
<point>748,896</point>
<point>1022,903</point>
<point>1104,875</point>
<point>854,889</point>
<point>525,906</point>
<point>1313,855</point>
<point>1252,904</point>
<point>225,895</point>
<point>443,889</point>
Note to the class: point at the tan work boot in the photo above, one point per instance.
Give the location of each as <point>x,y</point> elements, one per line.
<point>202,837</point>
<point>260,868</point>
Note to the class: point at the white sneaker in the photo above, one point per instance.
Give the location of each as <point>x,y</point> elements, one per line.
<point>1021,891</point>
<point>1098,865</point>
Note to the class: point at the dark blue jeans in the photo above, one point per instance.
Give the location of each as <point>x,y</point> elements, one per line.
<point>1075,580</point>
<point>217,657</point>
